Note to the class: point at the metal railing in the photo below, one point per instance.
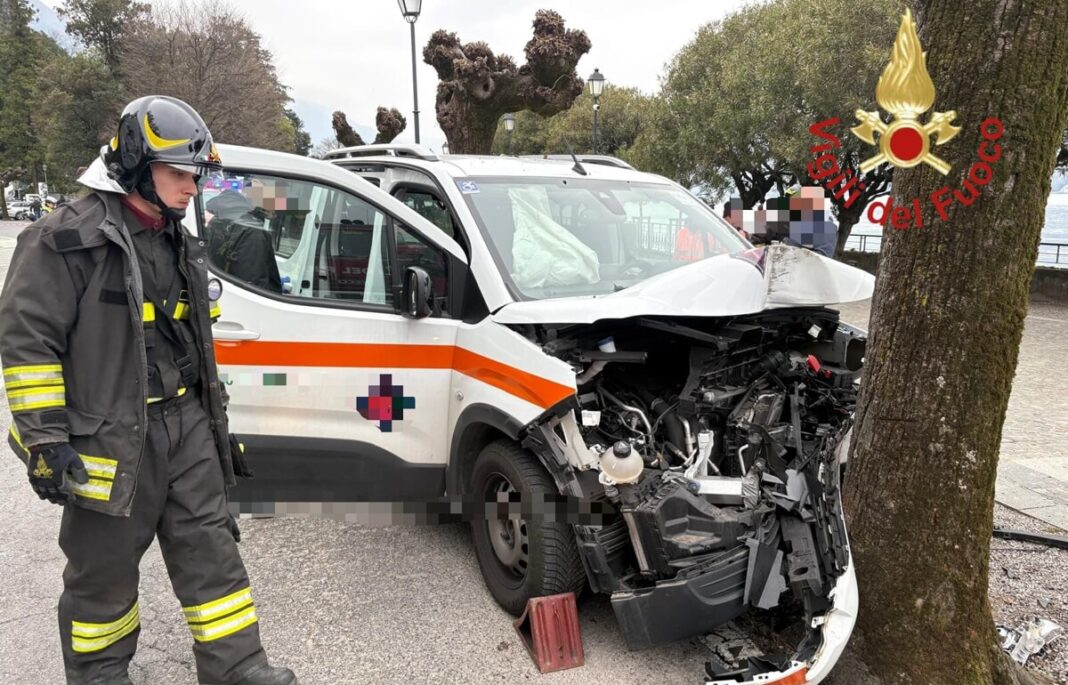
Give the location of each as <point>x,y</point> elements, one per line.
<point>1049,254</point>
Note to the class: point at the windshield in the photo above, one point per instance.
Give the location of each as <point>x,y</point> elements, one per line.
<point>561,237</point>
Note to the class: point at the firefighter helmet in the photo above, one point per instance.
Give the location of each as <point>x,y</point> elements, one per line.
<point>158,129</point>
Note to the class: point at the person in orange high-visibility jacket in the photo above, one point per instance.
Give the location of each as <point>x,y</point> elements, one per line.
<point>105,339</point>
<point>693,245</point>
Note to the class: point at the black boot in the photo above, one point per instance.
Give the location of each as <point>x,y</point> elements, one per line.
<point>265,674</point>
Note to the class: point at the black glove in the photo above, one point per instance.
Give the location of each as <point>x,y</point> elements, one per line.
<point>237,457</point>
<point>48,469</point>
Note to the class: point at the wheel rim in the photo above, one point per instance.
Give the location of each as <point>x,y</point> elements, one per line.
<point>508,537</point>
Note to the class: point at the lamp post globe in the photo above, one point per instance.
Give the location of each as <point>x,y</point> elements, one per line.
<point>410,10</point>
<point>509,126</point>
<point>596,82</point>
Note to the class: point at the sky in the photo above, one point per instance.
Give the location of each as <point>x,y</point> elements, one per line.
<point>355,55</point>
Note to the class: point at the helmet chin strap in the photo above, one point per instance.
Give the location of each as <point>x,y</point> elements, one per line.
<point>147,189</point>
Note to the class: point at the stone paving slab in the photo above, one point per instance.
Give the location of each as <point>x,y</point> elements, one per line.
<point>1033,464</point>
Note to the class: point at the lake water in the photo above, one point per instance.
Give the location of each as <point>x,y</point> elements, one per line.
<point>1054,231</point>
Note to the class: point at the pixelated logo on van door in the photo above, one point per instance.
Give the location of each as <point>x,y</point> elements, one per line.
<point>384,403</point>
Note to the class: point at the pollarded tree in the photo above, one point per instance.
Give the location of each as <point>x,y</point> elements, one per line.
<point>947,319</point>
<point>477,87</point>
<point>389,122</point>
<point>346,134</point>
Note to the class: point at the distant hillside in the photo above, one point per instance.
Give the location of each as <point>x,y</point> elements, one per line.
<point>48,22</point>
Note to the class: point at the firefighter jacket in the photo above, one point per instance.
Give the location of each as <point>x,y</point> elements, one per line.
<point>73,325</point>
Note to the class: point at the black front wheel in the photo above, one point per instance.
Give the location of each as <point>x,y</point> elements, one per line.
<point>521,559</point>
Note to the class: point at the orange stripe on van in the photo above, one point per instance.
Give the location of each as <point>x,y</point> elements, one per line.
<point>524,385</point>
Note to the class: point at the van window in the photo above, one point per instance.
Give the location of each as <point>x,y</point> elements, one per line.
<point>297,238</point>
<point>413,250</point>
<point>430,207</point>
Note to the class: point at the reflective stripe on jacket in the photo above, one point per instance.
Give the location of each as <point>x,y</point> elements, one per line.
<point>72,345</point>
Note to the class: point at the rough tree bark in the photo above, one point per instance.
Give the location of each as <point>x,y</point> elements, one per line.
<point>477,87</point>
<point>947,318</point>
<point>389,122</point>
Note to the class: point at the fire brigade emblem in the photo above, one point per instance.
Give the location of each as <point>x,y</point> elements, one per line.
<point>906,91</point>
<point>42,470</point>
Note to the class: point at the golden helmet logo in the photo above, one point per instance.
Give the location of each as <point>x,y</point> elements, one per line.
<point>906,91</point>
<point>42,470</point>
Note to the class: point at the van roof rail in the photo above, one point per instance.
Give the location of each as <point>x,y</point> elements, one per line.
<point>388,149</point>
<point>605,160</point>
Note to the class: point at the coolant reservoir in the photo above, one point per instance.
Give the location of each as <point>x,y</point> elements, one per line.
<point>621,464</point>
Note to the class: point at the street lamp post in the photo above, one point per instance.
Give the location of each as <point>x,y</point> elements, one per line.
<point>45,168</point>
<point>596,81</point>
<point>509,126</point>
<point>410,9</point>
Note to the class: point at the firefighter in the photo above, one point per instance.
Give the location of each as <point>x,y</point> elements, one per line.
<point>105,339</point>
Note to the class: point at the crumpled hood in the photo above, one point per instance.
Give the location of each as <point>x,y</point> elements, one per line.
<point>768,277</point>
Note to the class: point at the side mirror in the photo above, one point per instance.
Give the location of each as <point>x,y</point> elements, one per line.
<point>418,293</point>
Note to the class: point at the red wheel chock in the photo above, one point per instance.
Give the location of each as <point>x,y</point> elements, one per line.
<point>549,629</point>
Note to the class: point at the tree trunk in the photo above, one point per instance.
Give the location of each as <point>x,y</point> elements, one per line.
<point>947,318</point>
<point>468,125</point>
<point>476,86</point>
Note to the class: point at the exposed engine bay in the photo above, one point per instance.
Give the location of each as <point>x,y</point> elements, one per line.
<point>717,441</point>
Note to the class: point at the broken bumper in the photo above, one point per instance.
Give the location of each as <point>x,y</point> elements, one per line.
<point>835,628</point>
<point>690,604</point>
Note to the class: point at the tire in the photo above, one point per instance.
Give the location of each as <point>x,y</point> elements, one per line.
<point>527,560</point>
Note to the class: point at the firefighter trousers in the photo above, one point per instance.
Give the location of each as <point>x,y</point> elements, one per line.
<point>180,498</point>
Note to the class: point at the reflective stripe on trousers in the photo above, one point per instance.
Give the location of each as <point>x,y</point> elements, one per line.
<point>180,500</point>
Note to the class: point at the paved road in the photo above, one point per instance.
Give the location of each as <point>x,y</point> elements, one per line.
<point>344,603</point>
<point>11,229</point>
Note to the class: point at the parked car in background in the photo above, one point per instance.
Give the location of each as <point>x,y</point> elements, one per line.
<point>19,210</point>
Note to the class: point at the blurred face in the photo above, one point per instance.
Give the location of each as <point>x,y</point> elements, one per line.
<point>176,187</point>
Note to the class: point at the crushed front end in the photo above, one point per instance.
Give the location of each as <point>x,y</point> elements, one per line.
<point>718,442</point>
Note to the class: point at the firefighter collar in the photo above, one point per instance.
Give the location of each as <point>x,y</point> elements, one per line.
<point>144,219</point>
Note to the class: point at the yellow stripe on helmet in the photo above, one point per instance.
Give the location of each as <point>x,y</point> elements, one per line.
<point>158,143</point>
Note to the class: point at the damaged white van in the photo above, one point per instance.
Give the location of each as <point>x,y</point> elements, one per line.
<point>492,328</point>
